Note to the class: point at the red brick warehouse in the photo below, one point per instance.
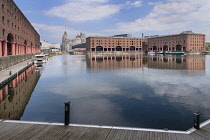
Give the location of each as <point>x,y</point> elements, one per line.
<point>122,42</point>
<point>185,41</point>
<point>17,35</point>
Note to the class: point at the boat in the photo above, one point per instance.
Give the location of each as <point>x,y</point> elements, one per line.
<point>177,53</point>
<point>40,59</point>
<point>151,53</point>
<point>160,52</point>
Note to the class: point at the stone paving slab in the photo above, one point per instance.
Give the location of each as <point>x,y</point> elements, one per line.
<point>4,74</point>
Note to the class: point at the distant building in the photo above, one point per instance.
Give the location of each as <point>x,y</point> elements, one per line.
<point>50,47</point>
<point>114,43</point>
<point>79,47</point>
<point>185,41</point>
<point>68,43</point>
<point>123,35</point>
<point>17,36</point>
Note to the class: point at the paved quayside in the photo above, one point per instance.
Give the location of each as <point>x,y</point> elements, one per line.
<point>5,74</point>
<point>42,131</point>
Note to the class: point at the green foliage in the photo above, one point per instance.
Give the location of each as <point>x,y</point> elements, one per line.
<point>208,47</point>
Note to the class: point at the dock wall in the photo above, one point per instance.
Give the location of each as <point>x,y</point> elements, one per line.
<point>8,61</point>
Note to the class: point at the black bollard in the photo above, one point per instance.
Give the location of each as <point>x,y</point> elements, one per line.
<point>197,120</point>
<point>10,73</point>
<point>67,113</point>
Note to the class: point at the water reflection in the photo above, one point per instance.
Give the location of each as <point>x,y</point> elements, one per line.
<point>185,62</point>
<point>15,96</point>
<point>130,90</point>
<point>114,62</point>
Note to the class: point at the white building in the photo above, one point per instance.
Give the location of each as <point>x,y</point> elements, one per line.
<point>68,43</point>
<point>52,47</point>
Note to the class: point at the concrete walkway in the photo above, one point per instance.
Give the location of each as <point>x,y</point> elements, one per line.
<point>4,74</point>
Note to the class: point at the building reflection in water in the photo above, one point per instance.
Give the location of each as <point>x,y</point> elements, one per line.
<point>15,96</point>
<point>108,62</point>
<point>194,63</point>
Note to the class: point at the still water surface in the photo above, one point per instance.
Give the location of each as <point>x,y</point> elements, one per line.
<point>130,90</point>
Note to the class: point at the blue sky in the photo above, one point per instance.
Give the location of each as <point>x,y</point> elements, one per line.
<point>108,17</point>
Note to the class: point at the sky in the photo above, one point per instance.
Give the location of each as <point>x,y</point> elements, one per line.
<point>110,17</point>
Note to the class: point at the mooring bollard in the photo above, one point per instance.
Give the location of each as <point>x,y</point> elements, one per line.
<point>197,120</point>
<point>10,73</point>
<point>67,113</point>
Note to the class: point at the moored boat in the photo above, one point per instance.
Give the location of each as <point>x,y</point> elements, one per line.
<point>40,59</point>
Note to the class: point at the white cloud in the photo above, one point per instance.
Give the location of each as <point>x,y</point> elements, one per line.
<point>154,3</point>
<point>84,10</point>
<point>176,15</point>
<point>133,4</point>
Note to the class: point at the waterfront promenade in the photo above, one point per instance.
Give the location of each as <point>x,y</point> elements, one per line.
<point>4,74</point>
<point>56,131</point>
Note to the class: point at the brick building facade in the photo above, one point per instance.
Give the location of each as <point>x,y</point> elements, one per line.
<point>103,43</point>
<point>185,41</point>
<point>17,35</point>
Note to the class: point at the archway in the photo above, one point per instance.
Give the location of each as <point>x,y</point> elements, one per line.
<point>178,48</point>
<point>154,48</point>
<point>118,48</point>
<point>132,48</point>
<point>99,48</point>
<point>165,48</point>
<point>10,39</point>
<point>93,49</point>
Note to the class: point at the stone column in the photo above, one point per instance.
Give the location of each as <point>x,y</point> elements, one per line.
<point>5,48</point>
<point>26,49</point>
<point>5,91</point>
<point>14,83</point>
<point>1,96</point>
<point>22,49</point>
<point>1,50</point>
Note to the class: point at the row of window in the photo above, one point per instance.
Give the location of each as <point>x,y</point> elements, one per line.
<point>16,37</point>
<point>120,46</point>
<point>13,26</point>
<point>196,44</point>
<point>115,38</point>
<point>25,22</point>
<point>117,43</point>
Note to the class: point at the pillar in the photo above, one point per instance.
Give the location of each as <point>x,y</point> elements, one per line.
<point>27,49</point>
<point>5,91</point>
<point>14,83</point>
<point>1,95</point>
<point>22,49</point>
<point>1,50</point>
<point>5,48</point>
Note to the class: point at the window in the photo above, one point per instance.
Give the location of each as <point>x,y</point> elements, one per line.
<point>3,19</point>
<point>2,6</point>
<point>3,32</point>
